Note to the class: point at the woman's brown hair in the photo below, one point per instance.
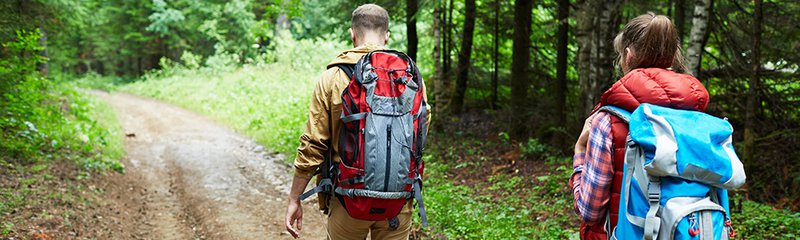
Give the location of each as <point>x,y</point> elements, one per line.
<point>654,42</point>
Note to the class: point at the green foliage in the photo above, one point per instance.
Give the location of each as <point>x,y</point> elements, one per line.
<point>7,228</point>
<point>757,220</point>
<point>534,148</point>
<point>163,18</point>
<point>41,120</point>
<point>99,136</point>
<point>504,207</point>
<point>22,91</point>
<point>266,101</point>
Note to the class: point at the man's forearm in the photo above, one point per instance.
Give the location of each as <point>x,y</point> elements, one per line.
<point>298,186</point>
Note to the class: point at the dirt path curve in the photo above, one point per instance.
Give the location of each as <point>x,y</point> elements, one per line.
<point>192,178</point>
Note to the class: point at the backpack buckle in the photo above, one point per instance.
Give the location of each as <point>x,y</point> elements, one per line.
<point>654,191</point>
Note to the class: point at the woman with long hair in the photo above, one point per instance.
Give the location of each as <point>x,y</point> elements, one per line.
<point>653,67</point>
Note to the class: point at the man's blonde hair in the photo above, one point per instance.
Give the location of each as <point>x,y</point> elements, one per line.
<point>370,17</point>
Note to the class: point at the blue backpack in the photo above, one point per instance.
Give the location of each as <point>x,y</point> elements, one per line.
<point>679,166</point>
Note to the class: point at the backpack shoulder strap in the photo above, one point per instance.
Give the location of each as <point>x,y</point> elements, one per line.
<point>348,69</point>
<point>616,111</point>
<point>327,168</point>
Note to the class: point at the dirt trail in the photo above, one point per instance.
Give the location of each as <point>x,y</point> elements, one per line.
<point>191,178</point>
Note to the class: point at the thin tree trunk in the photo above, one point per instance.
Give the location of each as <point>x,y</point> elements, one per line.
<point>282,22</point>
<point>561,62</point>
<point>446,53</point>
<point>495,53</point>
<point>43,67</point>
<point>697,36</point>
<point>521,57</point>
<point>411,28</point>
<point>583,34</point>
<point>464,55</point>
<point>680,18</point>
<point>437,60</point>
<point>752,91</point>
<point>139,67</point>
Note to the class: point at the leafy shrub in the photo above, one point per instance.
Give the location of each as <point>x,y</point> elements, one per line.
<point>23,90</point>
<point>92,133</point>
<point>757,220</point>
<point>534,148</point>
<point>41,120</point>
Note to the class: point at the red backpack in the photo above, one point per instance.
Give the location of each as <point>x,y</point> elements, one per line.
<point>381,140</point>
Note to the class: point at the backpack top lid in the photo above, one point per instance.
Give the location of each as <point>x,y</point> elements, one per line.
<point>687,144</point>
<point>391,81</point>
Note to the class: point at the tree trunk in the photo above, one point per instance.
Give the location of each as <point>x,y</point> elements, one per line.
<point>411,28</point>
<point>561,63</point>
<point>139,67</point>
<point>753,101</point>
<point>464,55</point>
<point>437,61</point>
<point>446,51</point>
<point>43,67</point>
<point>608,20</point>
<point>598,24</point>
<point>697,36</point>
<point>680,18</point>
<point>495,53</point>
<point>583,34</point>
<point>521,56</point>
<point>282,22</point>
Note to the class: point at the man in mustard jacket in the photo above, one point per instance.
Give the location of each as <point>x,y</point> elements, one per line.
<point>369,31</point>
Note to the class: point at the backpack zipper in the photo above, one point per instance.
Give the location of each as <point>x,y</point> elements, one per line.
<point>388,158</point>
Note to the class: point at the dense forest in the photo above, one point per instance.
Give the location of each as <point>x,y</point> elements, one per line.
<point>521,74</point>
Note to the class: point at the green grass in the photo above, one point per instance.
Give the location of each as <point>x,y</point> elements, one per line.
<point>461,211</point>
<point>268,102</point>
<point>97,131</point>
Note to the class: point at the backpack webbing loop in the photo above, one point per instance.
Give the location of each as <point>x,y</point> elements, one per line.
<point>325,186</point>
<point>652,223</point>
<point>417,188</point>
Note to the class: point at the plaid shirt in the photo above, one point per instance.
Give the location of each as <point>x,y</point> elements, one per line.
<point>593,172</point>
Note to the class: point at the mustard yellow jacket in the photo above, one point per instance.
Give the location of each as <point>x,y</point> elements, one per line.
<point>324,110</point>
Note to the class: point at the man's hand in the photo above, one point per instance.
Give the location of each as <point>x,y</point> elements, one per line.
<point>294,213</point>
<point>294,217</point>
